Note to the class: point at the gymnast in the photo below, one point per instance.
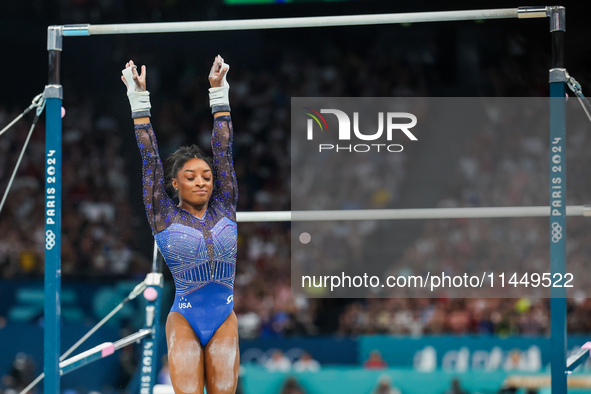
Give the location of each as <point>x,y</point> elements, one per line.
<point>197,238</point>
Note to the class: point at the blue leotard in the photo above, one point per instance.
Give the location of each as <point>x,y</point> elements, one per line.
<point>200,252</point>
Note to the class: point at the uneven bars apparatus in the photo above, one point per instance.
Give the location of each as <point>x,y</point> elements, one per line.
<point>54,94</point>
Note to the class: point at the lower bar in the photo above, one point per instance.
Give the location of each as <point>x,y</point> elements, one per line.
<point>403,214</point>
<point>578,358</point>
<point>101,351</point>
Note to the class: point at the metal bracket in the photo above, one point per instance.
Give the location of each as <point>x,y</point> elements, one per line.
<point>137,290</point>
<point>532,12</point>
<point>54,38</point>
<point>150,310</point>
<point>559,75</point>
<point>557,18</point>
<point>153,279</point>
<point>556,13</point>
<point>53,91</point>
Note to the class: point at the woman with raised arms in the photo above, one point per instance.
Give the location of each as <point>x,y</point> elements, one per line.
<point>197,238</point>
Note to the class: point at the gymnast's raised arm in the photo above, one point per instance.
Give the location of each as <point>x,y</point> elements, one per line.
<point>226,188</point>
<point>160,208</point>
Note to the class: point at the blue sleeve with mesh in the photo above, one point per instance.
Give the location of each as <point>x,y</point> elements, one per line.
<point>160,208</point>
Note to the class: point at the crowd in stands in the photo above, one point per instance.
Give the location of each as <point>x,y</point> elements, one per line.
<point>101,218</point>
<point>97,233</point>
<point>505,164</point>
<point>484,316</point>
<point>20,374</point>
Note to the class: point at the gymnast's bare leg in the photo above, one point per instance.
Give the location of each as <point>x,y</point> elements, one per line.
<point>222,358</point>
<point>185,356</point>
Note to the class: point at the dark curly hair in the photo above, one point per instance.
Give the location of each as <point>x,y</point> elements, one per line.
<point>177,160</point>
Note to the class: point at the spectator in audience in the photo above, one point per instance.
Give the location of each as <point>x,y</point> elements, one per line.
<point>456,387</point>
<point>306,364</point>
<point>508,390</point>
<point>21,373</point>
<point>515,362</point>
<point>278,362</point>
<point>375,361</point>
<point>385,386</point>
<point>164,373</point>
<point>291,386</point>
<point>128,361</point>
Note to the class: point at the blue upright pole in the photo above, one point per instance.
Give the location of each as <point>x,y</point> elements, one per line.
<point>53,197</point>
<point>558,201</point>
<point>149,358</point>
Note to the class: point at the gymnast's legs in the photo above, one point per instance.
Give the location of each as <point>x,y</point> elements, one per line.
<point>192,368</point>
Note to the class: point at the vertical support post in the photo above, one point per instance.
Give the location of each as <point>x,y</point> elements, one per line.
<point>155,258</point>
<point>558,79</point>
<point>53,194</point>
<point>149,358</point>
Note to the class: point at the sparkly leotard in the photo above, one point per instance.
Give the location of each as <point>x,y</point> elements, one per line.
<point>200,252</point>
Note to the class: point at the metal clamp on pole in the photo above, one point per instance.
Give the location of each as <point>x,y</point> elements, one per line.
<point>54,38</point>
<point>53,91</point>
<point>152,292</point>
<point>150,315</point>
<point>533,12</point>
<point>54,46</point>
<point>137,290</point>
<point>559,75</point>
<point>153,279</point>
<point>557,16</point>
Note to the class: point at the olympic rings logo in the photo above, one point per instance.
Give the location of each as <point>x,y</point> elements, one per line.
<point>556,232</point>
<point>49,239</point>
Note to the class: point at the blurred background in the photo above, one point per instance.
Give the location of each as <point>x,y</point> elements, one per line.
<point>288,345</point>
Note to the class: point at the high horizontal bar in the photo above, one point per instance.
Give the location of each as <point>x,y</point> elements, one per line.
<point>316,21</point>
<point>404,214</point>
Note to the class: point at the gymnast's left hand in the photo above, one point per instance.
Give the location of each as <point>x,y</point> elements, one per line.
<point>139,79</point>
<point>217,73</point>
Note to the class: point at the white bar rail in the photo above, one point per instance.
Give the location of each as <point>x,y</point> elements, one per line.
<point>404,214</point>
<point>316,21</point>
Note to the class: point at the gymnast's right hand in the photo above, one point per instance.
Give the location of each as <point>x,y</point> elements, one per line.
<point>139,97</point>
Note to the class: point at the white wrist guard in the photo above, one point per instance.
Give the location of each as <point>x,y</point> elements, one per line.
<point>219,100</point>
<point>139,100</point>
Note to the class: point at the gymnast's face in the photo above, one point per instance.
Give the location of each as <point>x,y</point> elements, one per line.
<point>194,182</point>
